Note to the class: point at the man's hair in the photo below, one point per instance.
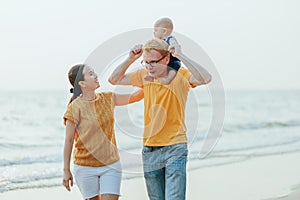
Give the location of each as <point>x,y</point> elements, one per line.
<point>157,44</point>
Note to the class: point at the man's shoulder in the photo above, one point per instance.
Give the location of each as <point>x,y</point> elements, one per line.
<point>184,73</point>
<point>183,70</point>
<point>138,71</point>
<point>136,77</point>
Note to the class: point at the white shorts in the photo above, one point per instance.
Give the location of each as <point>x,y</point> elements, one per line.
<point>94,180</point>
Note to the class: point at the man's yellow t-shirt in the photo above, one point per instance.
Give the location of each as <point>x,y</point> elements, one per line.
<point>164,108</point>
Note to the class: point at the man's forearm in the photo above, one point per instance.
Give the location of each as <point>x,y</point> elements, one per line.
<point>119,72</point>
<point>199,73</point>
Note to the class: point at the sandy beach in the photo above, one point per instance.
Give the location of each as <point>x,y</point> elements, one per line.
<point>263,178</point>
<point>294,195</point>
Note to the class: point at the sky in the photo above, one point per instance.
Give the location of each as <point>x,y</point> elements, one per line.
<point>253,43</point>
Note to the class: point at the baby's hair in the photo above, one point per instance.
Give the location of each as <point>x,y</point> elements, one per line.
<point>164,22</point>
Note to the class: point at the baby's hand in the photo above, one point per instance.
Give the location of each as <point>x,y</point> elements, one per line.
<point>175,50</point>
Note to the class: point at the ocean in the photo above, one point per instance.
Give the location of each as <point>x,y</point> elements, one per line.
<point>257,123</point>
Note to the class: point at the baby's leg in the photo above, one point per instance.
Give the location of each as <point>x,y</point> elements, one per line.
<point>149,78</point>
<point>171,75</point>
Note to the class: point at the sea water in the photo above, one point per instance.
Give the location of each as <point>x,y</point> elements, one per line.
<point>256,123</point>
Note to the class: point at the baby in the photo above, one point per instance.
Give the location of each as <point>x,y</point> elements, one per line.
<point>163,29</point>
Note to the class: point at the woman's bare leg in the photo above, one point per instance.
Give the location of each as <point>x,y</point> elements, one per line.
<point>109,197</point>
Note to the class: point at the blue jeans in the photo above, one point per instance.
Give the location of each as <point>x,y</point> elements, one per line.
<point>165,171</point>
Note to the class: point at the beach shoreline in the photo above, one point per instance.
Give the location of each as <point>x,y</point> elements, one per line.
<point>293,195</point>
<point>260,178</point>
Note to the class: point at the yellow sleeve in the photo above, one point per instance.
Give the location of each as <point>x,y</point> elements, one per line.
<point>137,77</point>
<point>110,98</point>
<point>69,114</point>
<point>187,75</point>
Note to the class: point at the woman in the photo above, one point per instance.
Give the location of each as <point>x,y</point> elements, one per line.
<point>89,121</point>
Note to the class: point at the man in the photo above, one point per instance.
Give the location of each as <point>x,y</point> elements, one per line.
<point>165,142</point>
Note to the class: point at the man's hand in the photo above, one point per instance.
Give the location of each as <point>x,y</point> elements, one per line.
<point>119,77</point>
<point>175,50</point>
<point>136,52</point>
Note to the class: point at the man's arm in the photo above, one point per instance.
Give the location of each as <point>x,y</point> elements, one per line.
<point>200,76</point>
<point>118,77</point>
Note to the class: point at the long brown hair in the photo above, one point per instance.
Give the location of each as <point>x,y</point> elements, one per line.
<point>75,75</point>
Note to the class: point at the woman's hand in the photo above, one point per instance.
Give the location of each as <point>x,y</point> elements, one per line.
<point>67,180</point>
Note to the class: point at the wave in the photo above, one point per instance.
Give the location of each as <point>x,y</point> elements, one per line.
<point>31,183</point>
<point>261,125</point>
<point>262,146</point>
<point>232,158</point>
<point>15,145</point>
<point>52,178</point>
<point>229,156</point>
<point>31,160</point>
